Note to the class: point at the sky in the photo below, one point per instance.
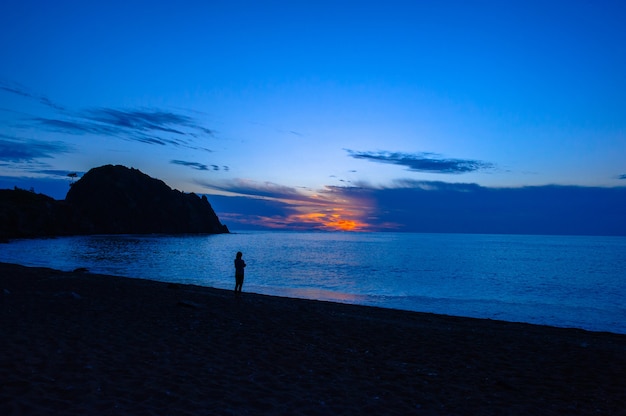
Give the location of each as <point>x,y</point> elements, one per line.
<point>426,116</point>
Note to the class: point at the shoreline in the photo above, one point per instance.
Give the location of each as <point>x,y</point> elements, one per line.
<point>555,289</point>
<point>80,343</point>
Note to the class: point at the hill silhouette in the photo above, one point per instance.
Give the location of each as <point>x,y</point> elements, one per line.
<point>108,200</point>
<point>25,214</point>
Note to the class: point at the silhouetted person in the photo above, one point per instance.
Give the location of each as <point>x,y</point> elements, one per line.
<point>239,266</point>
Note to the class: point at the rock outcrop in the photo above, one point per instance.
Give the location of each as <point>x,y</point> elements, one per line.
<point>108,200</point>
<point>25,214</point>
<point>119,200</point>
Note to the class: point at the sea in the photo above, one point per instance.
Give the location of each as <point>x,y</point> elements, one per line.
<point>562,281</point>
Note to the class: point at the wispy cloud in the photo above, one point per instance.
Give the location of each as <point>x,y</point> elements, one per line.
<point>14,88</point>
<point>23,158</point>
<point>76,127</point>
<point>278,129</point>
<point>194,165</point>
<point>423,161</point>
<point>152,126</point>
<point>24,150</point>
<point>255,189</point>
<point>155,120</point>
<point>199,166</point>
<point>58,172</point>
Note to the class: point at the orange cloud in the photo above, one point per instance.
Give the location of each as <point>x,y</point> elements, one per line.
<point>330,209</point>
<point>338,219</point>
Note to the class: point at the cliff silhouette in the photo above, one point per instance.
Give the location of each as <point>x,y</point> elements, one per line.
<point>108,200</point>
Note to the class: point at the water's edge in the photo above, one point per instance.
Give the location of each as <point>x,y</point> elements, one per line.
<point>556,281</point>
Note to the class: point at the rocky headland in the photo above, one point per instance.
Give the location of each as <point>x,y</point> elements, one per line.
<point>107,200</point>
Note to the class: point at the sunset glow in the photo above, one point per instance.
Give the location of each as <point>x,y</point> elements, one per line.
<point>330,209</point>
<point>334,221</point>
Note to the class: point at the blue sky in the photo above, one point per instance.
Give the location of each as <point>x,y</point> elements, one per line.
<point>326,114</point>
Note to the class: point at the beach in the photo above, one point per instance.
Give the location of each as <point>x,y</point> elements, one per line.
<point>76,343</point>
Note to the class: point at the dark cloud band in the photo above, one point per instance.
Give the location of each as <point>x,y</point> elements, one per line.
<point>432,207</point>
<point>424,162</point>
<point>198,165</point>
<point>13,150</point>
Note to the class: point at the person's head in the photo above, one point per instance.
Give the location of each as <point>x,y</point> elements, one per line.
<point>239,254</point>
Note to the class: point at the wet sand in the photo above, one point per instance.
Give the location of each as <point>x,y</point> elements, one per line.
<point>77,343</point>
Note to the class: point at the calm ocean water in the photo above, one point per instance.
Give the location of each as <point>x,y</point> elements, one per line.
<point>566,281</point>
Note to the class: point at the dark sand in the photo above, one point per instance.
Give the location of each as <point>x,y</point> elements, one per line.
<point>78,344</point>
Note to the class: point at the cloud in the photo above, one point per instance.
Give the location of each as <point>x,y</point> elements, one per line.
<point>423,162</point>
<point>153,126</point>
<point>77,127</point>
<point>58,172</point>
<point>17,89</point>
<point>278,129</point>
<point>470,208</point>
<point>268,213</point>
<point>24,150</point>
<point>252,213</point>
<point>289,208</point>
<point>149,126</point>
<point>255,189</point>
<point>194,165</point>
<point>143,120</point>
<point>429,207</point>
<point>199,166</point>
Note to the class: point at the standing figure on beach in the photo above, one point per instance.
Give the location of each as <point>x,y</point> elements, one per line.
<point>239,266</point>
